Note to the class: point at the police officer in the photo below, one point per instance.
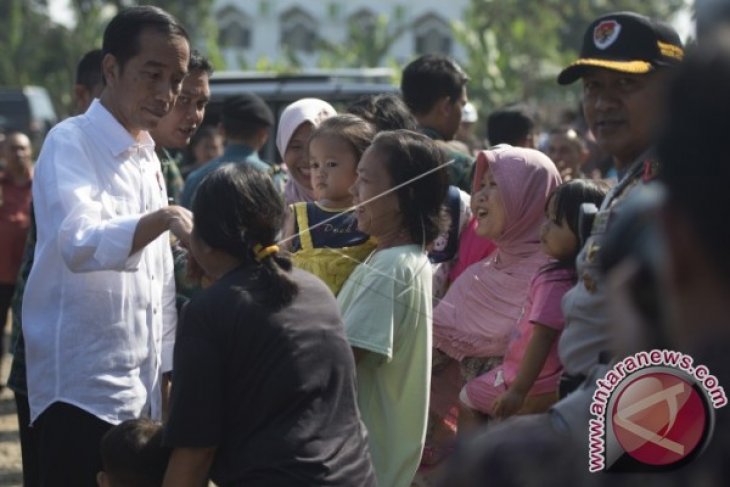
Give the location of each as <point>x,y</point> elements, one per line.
<point>624,64</point>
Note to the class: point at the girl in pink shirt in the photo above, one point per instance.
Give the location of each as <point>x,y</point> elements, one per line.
<point>527,380</point>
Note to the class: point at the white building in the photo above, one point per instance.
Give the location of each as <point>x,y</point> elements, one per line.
<point>250,30</point>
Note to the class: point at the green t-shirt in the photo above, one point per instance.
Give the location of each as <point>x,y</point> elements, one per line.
<point>386,308</point>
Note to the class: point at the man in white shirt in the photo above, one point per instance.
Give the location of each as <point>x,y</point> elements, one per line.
<point>99,306</point>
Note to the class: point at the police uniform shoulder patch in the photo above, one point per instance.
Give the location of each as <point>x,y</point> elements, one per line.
<point>651,170</point>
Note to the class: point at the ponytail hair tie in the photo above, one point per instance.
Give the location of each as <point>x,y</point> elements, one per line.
<point>260,252</point>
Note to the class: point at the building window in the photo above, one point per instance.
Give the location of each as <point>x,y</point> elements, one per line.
<point>362,23</point>
<point>234,28</point>
<point>298,30</point>
<point>432,35</point>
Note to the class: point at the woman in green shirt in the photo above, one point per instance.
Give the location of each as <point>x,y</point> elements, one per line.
<point>386,302</point>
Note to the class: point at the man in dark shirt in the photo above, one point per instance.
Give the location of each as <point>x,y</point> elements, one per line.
<point>434,88</point>
<point>246,124</point>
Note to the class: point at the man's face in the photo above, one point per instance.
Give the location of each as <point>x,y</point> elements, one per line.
<point>622,110</point>
<point>564,152</point>
<point>145,89</point>
<point>453,114</point>
<point>18,152</point>
<point>177,127</point>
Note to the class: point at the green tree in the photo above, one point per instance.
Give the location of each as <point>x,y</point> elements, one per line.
<point>36,51</point>
<point>366,45</point>
<point>515,48</point>
<point>197,17</point>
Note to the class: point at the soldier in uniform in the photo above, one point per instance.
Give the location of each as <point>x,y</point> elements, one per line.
<point>434,89</point>
<point>624,64</point>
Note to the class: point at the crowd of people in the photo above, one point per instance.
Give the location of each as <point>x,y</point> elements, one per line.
<point>390,304</point>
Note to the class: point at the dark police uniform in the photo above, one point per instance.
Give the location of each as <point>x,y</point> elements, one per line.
<point>585,341</point>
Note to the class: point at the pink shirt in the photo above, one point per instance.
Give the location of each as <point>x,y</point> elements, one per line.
<point>543,307</point>
<point>472,249</point>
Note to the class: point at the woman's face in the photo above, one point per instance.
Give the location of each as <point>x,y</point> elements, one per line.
<point>296,157</point>
<point>489,209</point>
<point>377,213</point>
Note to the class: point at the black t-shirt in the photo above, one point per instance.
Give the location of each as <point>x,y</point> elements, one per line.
<point>273,391</point>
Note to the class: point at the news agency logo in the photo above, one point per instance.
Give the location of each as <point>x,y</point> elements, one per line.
<point>653,411</point>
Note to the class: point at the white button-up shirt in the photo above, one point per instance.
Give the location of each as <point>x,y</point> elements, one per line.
<point>99,324</point>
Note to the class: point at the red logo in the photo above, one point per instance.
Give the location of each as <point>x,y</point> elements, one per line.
<point>605,33</point>
<point>660,418</point>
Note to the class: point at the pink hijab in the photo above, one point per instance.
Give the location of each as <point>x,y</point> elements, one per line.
<point>481,309</point>
<point>311,110</point>
<point>472,247</point>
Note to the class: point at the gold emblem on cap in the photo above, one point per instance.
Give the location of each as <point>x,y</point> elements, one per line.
<point>670,50</point>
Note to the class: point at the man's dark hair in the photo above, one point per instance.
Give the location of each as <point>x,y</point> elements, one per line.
<point>88,71</point>
<point>198,62</point>
<point>386,112</point>
<point>693,146</point>
<point>242,116</point>
<point>121,36</point>
<point>430,78</point>
<point>132,454</point>
<point>510,124</point>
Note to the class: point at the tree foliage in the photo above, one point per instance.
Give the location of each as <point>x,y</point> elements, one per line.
<point>38,51</point>
<point>515,48</point>
<point>365,46</point>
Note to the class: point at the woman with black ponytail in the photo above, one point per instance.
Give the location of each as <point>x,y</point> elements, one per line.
<point>263,377</point>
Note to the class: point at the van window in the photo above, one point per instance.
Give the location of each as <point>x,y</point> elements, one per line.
<point>29,110</point>
<point>340,87</point>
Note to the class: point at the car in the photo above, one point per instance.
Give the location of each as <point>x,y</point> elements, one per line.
<point>340,87</point>
<point>28,109</point>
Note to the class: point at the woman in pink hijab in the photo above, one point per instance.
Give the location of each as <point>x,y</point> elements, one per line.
<point>295,125</point>
<point>472,247</point>
<point>473,322</point>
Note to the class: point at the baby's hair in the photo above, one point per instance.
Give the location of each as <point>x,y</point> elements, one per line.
<point>236,209</point>
<point>133,455</point>
<point>407,156</point>
<point>568,198</point>
<point>352,129</point>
